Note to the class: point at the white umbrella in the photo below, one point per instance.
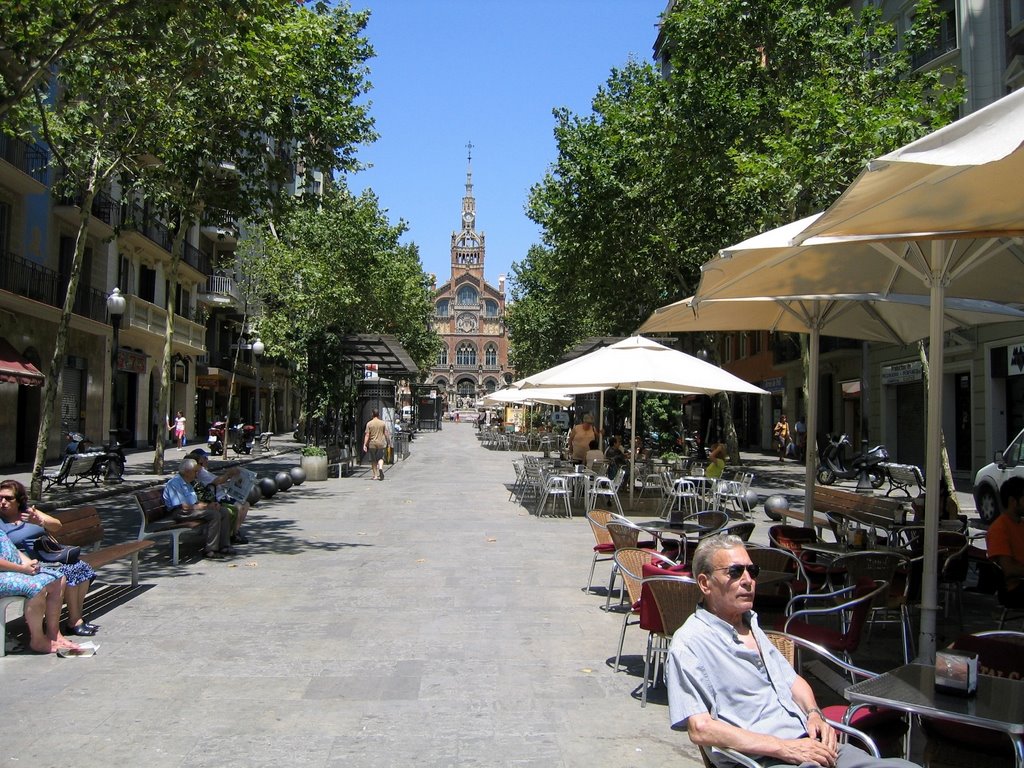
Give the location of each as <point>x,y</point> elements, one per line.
<point>942,216</point>
<point>505,396</point>
<point>868,317</point>
<point>638,363</point>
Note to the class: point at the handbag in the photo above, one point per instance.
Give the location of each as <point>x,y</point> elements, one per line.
<point>49,550</point>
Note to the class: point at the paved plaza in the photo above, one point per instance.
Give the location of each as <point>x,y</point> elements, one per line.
<point>425,620</point>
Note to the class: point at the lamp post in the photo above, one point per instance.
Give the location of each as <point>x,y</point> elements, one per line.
<point>116,305</point>
<point>258,348</point>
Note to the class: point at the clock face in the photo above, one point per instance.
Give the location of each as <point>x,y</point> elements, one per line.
<point>467,216</point>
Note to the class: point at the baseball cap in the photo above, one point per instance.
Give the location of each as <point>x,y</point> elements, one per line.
<point>197,452</point>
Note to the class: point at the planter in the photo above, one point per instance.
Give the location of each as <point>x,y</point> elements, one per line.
<point>315,466</point>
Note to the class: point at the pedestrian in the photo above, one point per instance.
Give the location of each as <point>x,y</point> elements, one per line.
<point>375,440</point>
<point>781,436</point>
<point>801,439</point>
<point>179,430</point>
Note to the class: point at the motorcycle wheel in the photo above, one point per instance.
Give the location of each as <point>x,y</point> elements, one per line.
<point>877,477</point>
<point>114,471</point>
<point>826,476</point>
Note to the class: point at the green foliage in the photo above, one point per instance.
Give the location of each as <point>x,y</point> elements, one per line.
<point>313,450</point>
<point>336,269</point>
<point>772,108</point>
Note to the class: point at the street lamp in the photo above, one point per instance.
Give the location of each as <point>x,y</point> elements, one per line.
<point>258,348</point>
<point>116,305</point>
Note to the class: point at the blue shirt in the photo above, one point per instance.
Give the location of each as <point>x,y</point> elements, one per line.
<point>178,492</point>
<point>711,671</point>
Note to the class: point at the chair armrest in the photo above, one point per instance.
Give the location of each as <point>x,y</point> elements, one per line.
<point>860,736</point>
<point>830,657</point>
<point>737,757</point>
<point>833,596</point>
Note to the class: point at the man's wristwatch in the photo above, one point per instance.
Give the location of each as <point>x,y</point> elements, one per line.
<point>815,711</point>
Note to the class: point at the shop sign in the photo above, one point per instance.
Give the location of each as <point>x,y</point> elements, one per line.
<point>774,385</point>
<point>1015,359</point>
<point>132,362</point>
<point>208,382</point>
<point>901,373</point>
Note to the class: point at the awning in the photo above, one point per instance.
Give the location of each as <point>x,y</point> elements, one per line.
<point>15,369</point>
<point>383,350</point>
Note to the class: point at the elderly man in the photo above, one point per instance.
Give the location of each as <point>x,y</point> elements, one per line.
<point>206,479</point>
<point>181,501</point>
<point>730,687</point>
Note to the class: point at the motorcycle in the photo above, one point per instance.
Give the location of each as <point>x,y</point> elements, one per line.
<point>241,437</point>
<point>832,465</point>
<point>110,459</point>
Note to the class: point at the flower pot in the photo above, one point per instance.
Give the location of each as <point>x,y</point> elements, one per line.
<point>315,466</point>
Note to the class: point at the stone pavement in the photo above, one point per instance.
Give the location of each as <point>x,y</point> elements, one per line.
<point>424,619</point>
<point>421,620</point>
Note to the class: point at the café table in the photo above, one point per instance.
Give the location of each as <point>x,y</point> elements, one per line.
<point>998,703</point>
<point>836,549</point>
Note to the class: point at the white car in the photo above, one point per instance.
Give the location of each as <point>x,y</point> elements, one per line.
<point>1008,463</point>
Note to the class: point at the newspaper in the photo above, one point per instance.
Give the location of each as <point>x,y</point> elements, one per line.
<point>238,488</point>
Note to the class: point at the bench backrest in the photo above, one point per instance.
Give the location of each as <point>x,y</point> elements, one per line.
<point>333,454</point>
<point>83,464</point>
<point>151,503</point>
<point>835,500</point>
<point>79,527</point>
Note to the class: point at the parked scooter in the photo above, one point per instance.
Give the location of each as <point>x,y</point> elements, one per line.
<point>241,437</point>
<point>215,438</point>
<point>832,464</point>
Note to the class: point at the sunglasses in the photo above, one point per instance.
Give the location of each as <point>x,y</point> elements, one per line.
<point>735,570</point>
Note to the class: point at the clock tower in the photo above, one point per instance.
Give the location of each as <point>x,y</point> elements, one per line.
<point>469,315</point>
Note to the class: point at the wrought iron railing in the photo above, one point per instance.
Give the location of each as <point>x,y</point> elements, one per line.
<point>36,282</point>
<point>30,158</point>
<point>104,207</point>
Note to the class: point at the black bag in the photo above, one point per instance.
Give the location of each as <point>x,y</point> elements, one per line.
<point>49,550</point>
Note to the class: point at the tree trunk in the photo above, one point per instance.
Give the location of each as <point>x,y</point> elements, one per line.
<point>51,389</point>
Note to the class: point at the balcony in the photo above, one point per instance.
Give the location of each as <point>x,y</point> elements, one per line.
<point>105,215</point>
<point>196,259</point>
<point>36,282</point>
<point>137,219</point>
<point>223,234</point>
<point>220,291</point>
<point>24,166</point>
<point>143,316</point>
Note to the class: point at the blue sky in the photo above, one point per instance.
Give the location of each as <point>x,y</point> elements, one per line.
<point>447,72</point>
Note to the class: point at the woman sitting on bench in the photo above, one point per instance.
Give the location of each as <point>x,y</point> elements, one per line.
<point>23,525</point>
<point>21,576</point>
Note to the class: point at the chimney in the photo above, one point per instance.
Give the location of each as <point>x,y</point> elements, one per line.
<point>501,284</point>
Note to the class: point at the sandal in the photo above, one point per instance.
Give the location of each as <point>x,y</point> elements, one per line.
<point>225,551</point>
<point>212,555</point>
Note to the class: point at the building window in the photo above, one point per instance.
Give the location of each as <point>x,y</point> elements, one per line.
<point>5,227</point>
<point>147,284</point>
<point>467,295</point>
<point>743,345</point>
<point>442,356</point>
<point>491,308</point>
<point>758,343</point>
<point>728,348</point>
<point>442,308</point>
<point>491,356</point>
<point>946,40</point>
<point>465,354</point>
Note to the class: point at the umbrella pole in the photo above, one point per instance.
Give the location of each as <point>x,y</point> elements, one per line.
<point>811,418</point>
<point>933,477</point>
<point>632,451</point>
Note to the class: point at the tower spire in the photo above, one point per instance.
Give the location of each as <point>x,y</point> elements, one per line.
<point>469,169</point>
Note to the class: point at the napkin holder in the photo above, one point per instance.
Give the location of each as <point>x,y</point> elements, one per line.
<point>956,672</point>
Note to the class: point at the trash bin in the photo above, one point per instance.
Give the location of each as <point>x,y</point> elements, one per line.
<point>402,446</point>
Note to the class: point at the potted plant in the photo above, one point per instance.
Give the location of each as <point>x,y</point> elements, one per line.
<point>314,461</point>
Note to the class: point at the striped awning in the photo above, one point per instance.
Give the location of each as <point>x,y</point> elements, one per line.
<point>15,369</point>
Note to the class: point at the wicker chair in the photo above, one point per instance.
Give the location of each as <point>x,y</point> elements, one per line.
<point>630,562</point>
<point>675,599</point>
<point>624,534</point>
<point>604,547</point>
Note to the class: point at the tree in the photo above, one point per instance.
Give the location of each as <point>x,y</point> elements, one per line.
<point>334,269</point>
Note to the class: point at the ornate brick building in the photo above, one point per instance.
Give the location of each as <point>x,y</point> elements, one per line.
<point>469,314</point>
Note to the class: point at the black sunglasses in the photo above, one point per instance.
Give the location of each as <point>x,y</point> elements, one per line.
<point>735,570</point>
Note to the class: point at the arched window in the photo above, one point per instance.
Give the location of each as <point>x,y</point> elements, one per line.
<point>466,388</point>
<point>467,295</point>
<point>465,354</point>
<point>441,308</point>
<point>442,356</point>
<point>491,308</point>
<point>441,384</point>
<point>491,356</point>
<point>490,385</point>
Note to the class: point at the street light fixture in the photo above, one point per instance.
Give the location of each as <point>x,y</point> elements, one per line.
<point>258,348</point>
<point>116,305</point>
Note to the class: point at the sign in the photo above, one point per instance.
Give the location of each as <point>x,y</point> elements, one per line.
<point>901,373</point>
<point>1014,359</point>
<point>775,384</point>
<point>370,371</point>
<point>132,362</point>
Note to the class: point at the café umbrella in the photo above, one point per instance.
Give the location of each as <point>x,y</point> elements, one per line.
<point>940,217</point>
<point>639,364</point>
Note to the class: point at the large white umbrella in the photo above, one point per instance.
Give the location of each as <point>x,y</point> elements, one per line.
<point>869,317</point>
<point>942,217</point>
<point>638,363</point>
<point>519,397</point>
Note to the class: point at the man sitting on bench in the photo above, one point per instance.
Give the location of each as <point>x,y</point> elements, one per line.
<point>181,501</point>
<point>206,479</point>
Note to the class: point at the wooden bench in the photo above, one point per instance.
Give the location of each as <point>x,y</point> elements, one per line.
<point>73,468</point>
<point>863,508</point>
<point>156,520</point>
<point>902,477</point>
<point>83,528</point>
<point>339,461</point>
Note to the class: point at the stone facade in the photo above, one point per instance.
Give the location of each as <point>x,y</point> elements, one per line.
<point>469,314</point>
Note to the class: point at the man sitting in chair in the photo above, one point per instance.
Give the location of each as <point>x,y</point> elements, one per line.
<point>729,687</point>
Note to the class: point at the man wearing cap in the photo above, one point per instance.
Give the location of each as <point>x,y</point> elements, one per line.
<point>206,478</point>
<point>182,502</point>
